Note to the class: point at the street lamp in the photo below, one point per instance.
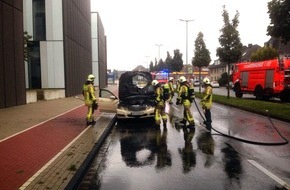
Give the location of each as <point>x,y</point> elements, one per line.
<point>158,50</point>
<point>147,56</point>
<point>186,21</point>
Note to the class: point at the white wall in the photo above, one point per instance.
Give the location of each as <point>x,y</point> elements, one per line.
<point>95,56</point>
<point>51,50</point>
<point>54,20</point>
<point>27,26</point>
<point>52,64</point>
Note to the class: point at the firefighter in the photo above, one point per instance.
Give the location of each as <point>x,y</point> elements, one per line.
<point>177,86</point>
<point>160,104</point>
<point>171,90</point>
<point>185,98</point>
<point>166,92</point>
<point>90,99</point>
<point>206,102</point>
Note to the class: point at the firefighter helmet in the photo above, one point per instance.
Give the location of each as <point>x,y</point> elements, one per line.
<point>171,78</point>
<point>182,79</point>
<point>91,77</point>
<point>206,80</point>
<point>154,82</point>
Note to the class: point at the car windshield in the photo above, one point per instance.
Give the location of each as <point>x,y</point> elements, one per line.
<point>140,81</point>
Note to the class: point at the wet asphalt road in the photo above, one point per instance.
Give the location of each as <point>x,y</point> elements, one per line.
<point>137,155</point>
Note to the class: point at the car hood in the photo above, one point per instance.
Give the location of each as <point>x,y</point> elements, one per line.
<point>129,89</point>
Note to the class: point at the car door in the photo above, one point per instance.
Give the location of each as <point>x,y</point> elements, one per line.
<point>108,102</point>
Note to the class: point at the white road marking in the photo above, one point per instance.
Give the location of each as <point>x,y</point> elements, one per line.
<point>271,175</point>
<point>38,124</point>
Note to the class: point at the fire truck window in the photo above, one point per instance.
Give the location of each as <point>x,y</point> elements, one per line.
<point>245,78</point>
<point>269,78</point>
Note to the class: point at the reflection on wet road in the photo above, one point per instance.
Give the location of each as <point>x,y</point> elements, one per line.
<point>139,155</point>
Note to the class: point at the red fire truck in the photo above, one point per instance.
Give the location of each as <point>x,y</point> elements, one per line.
<point>161,77</point>
<point>265,79</point>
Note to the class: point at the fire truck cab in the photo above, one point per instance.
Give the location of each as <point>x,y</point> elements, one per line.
<point>264,79</point>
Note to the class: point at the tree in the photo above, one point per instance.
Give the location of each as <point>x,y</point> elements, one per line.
<point>177,62</point>
<point>279,14</point>
<point>151,66</point>
<point>168,62</point>
<point>231,46</point>
<point>161,65</point>
<point>224,79</point>
<point>26,38</point>
<point>264,53</point>
<point>201,55</point>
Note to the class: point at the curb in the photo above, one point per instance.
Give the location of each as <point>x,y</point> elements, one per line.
<point>81,172</point>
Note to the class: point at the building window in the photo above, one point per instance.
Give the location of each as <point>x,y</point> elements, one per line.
<point>34,70</point>
<point>39,27</point>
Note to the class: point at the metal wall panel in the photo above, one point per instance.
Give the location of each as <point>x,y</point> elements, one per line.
<point>18,4</point>
<point>53,12</point>
<point>2,88</point>
<point>9,60</point>
<point>77,44</point>
<point>102,55</point>
<point>19,58</point>
<point>12,80</point>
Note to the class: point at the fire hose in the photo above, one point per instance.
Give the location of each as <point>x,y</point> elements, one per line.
<point>249,141</point>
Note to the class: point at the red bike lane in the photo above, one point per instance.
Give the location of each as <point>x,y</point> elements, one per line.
<point>23,155</point>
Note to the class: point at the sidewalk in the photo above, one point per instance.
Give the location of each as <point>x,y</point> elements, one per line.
<point>45,145</point>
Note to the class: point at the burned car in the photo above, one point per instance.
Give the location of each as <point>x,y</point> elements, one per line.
<point>135,97</point>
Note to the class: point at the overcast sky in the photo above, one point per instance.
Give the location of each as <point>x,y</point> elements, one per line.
<point>134,27</point>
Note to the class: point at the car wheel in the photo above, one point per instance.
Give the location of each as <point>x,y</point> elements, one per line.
<point>259,93</point>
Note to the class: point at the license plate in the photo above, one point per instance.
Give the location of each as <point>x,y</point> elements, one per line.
<point>137,113</point>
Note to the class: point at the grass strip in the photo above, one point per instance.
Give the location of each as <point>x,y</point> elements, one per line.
<point>276,110</point>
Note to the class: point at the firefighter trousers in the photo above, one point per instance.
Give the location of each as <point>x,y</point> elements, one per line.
<point>207,115</point>
<point>187,116</point>
<point>90,114</point>
<point>160,114</point>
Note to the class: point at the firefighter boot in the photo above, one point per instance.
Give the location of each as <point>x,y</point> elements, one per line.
<point>191,125</point>
<point>93,122</point>
<point>88,122</point>
<point>183,122</point>
<point>164,124</point>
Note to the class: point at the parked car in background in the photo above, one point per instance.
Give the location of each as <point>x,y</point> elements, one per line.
<point>196,83</point>
<point>136,96</point>
<point>214,84</point>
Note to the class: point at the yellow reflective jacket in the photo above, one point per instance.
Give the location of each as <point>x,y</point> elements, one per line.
<point>159,94</point>
<point>183,94</point>
<point>89,94</point>
<point>170,83</point>
<point>206,100</point>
